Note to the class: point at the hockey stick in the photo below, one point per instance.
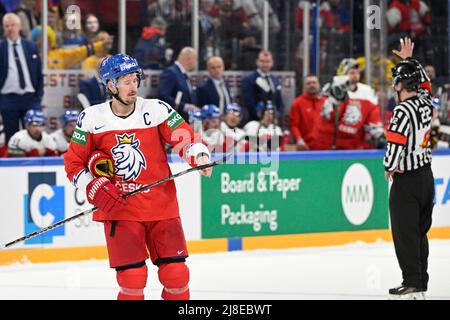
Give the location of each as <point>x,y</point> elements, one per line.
<point>125,196</point>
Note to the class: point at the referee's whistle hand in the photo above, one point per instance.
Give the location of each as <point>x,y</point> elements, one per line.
<point>388,175</point>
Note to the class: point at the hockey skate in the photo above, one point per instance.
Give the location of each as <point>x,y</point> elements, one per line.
<point>406,293</point>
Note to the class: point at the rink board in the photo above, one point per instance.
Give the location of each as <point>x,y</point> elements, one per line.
<point>316,197</point>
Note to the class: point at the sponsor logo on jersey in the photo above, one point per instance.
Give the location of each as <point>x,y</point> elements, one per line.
<point>79,137</point>
<point>43,206</point>
<point>128,159</point>
<point>174,120</point>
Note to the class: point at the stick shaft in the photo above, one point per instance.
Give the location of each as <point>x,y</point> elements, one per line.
<point>125,196</point>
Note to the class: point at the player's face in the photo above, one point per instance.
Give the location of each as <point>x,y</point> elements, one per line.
<point>35,130</point>
<point>232,118</point>
<point>212,124</point>
<point>69,128</point>
<point>268,117</point>
<point>353,76</point>
<point>128,87</point>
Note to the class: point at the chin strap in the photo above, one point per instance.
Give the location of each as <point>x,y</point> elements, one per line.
<point>116,95</point>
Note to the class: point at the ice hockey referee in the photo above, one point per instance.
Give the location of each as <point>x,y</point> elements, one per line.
<point>408,165</point>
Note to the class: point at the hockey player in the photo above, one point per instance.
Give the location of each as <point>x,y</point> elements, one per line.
<point>211,135</point>
<point>229,127</point>
<point>32,141</point>
<point>117,147</point>
<point>62,136</point>
<point>356,89</point>
<point>264,135</point>
<point>346,123</point>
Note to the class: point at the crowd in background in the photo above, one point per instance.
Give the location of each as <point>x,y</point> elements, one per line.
<point>159,35</point>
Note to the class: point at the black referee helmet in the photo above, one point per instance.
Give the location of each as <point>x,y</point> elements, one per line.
<point>408,72</point>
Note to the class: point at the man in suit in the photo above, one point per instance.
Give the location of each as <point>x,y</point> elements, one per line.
<point>215,90</point>
<point>94,89</point>
<point>260,87</point>
<point>21,79</point>
<point>175,86</point>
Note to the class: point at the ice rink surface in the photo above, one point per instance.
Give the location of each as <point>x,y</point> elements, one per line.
<point>356,271</point>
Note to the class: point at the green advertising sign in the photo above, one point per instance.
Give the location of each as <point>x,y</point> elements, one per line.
<point>303,196</point>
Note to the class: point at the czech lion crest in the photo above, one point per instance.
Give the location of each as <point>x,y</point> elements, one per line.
<point>353,113</point>
<point>128,159</point>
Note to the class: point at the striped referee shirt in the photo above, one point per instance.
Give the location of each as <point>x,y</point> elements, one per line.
<point>408,136</point>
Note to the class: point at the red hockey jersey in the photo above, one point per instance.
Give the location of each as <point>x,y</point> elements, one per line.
<point>356,120</point>
<point>137,146</point>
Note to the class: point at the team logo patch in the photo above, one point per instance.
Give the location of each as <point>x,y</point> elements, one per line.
<point>79,137</point>
<point>128,159</point>
<point>353,114</point>
<point>174,120</point>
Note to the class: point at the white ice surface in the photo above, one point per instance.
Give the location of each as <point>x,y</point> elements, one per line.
<point>355,271</point>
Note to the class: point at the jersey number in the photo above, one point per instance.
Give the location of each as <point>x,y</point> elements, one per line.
<point>426,115</point>
<point>169,109</point>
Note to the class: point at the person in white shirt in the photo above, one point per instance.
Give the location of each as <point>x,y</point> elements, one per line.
<point>264,135</point>
<point>357,90</point>
<point>229,126</point>
<point>32,141</point>
<point>63,136</point>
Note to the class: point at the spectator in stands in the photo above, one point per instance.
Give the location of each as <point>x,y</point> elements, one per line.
<point>305,112</point>
<point>215,90</point>
<point>32,141</point>
<point>92,62</point>
<point>263,134</point>
<point>408,18</point>
<point>207,31</point>
<point>439,87</point>
<point>261,87</point>
<point>28,14</point>
<point>356,89</point>
<point>72,33</point>
<point>254,11</point>
<point>236,45</point>
<point>376,80</point>
<point>21,79</point>
<point>93,89</point>
<point>150,50</point>
<point>63,136</point>
<point>91,29</point>
<point>346,123</point>
<point>341,16</point>
<point>66,58</point>
<point>174,85</point>
<point>229,126</point>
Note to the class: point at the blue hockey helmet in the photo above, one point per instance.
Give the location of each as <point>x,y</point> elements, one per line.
<point>70,115</point>
<point>118,65</point>
<point>436,102</point>
<point>233,107</point>
<point>34,116</point>
<point>210,111</point>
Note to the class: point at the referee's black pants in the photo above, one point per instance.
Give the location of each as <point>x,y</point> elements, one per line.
<point>411,204</point>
